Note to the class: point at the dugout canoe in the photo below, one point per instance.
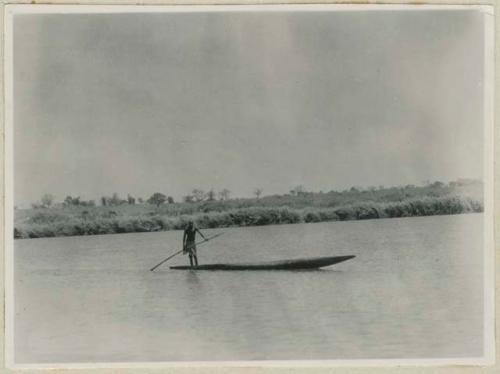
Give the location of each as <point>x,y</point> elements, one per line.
<point>295,264</point>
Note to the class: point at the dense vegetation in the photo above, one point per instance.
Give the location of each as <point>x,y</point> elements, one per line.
<point>353,204</point>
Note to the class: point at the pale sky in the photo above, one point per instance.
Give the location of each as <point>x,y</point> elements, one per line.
<point>143,103</point>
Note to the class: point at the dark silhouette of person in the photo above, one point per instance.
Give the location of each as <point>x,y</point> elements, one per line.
<point>189,242</point>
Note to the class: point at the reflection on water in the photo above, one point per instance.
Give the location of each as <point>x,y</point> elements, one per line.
<point>413,291</point>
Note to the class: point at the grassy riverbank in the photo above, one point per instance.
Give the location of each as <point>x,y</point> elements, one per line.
<point>406,201</point>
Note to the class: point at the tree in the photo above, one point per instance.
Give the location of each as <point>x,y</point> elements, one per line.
<point>71,201</point>
<point>170,200</point>
<point>437,184</point>
<point>114,200</point>
<point>257,192</point>
<point>47,200</point>
<point>224,194</point>
<point>157,199</point>
<point>188,198</point>
<point>140,200</point>
<point>298,190</point>
<point>75,201</point>
<point>130,199</point>
<point>104,201</point>
<point>198,195</point>
<point>211,195</point>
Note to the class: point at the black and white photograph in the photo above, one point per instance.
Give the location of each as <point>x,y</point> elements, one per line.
<point>248,185</point>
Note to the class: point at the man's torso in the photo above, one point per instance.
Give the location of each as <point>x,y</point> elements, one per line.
<point>190,235</point>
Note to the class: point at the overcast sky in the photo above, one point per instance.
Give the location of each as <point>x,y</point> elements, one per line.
<point>139,103</point>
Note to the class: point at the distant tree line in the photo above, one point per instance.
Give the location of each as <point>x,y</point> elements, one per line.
<point>157,199</point>
<point>197,195</point>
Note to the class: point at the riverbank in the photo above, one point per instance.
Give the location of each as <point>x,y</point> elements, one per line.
<point>99,220</point>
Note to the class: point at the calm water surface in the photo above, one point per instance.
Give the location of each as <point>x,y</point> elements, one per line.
<point>413,291</point>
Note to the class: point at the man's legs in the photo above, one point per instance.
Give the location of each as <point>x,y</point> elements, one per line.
<point>192,254</point>
<point>195,255</point>
<point>189,248</point>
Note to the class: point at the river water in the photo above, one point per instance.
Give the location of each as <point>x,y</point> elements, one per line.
<point>413,291</point>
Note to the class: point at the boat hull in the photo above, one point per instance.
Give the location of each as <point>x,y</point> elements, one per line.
<point>296,264</point>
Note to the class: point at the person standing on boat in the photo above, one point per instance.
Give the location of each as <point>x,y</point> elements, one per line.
<point>189,242</point>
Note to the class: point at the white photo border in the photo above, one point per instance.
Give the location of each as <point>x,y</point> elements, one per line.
<point>489,260</point>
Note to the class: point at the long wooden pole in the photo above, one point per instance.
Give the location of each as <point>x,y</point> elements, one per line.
<point>176,253</point>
